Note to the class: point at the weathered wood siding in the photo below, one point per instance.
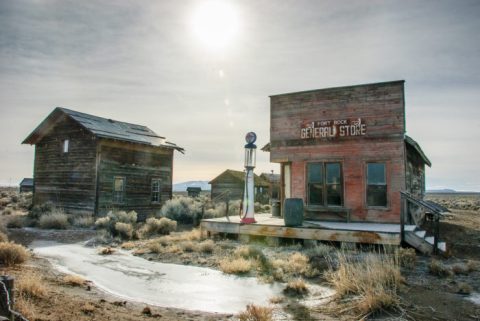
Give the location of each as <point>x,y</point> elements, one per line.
<point>139,164</point>
<point>66,179</point>
<point>380,106</point>
<point>229,184</point>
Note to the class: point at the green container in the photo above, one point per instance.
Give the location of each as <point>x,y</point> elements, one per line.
<point>293,212</point>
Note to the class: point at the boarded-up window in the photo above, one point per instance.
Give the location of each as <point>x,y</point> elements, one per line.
<point>376,184</point>
<point>118,189</point>
<point>66,142</point>
<point>324,182</point>
<point>156,190</point>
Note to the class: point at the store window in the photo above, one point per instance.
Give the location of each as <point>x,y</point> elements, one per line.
<point>324,182</point>
<point>376,184</point>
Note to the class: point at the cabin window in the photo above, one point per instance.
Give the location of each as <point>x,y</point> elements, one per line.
<point>66,142</point>
<point>118,189</point>
<point>156,190</point>
<point>376,184</point>
<point>324,184</point>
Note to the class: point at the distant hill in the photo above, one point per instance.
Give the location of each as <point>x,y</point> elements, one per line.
<point>182,187</point>
<point>439,191</point>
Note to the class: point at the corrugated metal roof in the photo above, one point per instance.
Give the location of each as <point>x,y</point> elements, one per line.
<point>106,128</point>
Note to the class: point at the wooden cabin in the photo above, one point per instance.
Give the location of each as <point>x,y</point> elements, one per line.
<point>193,191</point>
<point>26,185</point>
<point>345,152</point>
<point>232,182</point>
<point>273,185</point>
<point>89,164</point>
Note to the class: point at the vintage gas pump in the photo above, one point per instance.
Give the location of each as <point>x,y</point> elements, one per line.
<point>248,209</point>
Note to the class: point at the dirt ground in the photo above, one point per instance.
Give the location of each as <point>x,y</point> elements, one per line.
<point>424,296</point>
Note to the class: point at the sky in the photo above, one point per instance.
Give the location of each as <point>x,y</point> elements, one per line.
<point>201,72</point>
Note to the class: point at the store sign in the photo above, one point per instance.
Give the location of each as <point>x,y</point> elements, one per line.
<point>333,128</point>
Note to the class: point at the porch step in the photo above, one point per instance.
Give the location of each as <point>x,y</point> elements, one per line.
<point>420,234</point>
<point>424,244</point>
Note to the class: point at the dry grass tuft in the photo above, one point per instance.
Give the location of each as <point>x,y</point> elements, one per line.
<point>55,220</point>
<point>460,268</point>
<point>464,288</point>
<point>74,280</point>
<point>276,300</point>
<point>235,266</point>
<point>473,266</point>
<point>16,221</point>
<point>296,287</point>
<point>369,283</point>
<point>127,245</point>
<point>407,257</point>
<point>188,246</point>
<point>26,307</point>
<point>256,313</point>
<point>106,251</point>
<point>3,237</point>
<point>30,286</point>
<point>88,308</point>
<point>439,269</point>
<point>11,254</point>
<point>207,246</point>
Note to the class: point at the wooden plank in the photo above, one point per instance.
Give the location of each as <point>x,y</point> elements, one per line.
<point>368,237</point>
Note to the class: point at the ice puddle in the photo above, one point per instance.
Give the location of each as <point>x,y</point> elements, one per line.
<point>155,283</point>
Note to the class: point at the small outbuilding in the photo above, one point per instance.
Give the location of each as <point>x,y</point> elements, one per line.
<point>26,185</point>
<point>230,184</point>
<point>89,164</point>
<point>193,191</point>
<point>274,185</point>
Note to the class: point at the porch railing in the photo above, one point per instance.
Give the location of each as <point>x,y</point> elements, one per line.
<point>406,199</point>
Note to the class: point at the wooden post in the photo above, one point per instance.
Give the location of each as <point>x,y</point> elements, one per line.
<point>436,233</point>
<point>6,297</point>
<point>402,218</point>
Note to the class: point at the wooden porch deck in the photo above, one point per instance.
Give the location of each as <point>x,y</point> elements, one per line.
<point>369,233</point>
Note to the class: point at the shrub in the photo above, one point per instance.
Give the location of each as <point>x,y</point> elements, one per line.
<point>459,268</point>
<point>373,281</point>
<point>73,280</point>
<point>296,287</point>
<point>183,209</point>
<point>439,269</point>
<point>472,266</point>
<point>235,266</point>
<point>54,220</point>
<point>207,246</point>
<point>124,230</point>
<point>102,222</point>
<point>39,210</point>
<point>153,226</point>
<point>256,313</point>
<point>84,221</point>
<point>407,257</point>
<point>11,254</point>
<point>3,237</point>
<point>113,217</point>
<point>8,211</point>
<point>319,250</point>
<point>155,247</point>
<point>16,221</point>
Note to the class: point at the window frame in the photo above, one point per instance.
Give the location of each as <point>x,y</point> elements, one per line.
<point>115,193</point>
<point>66,146</point>
<point>158,192</point>
<point>325,184</point>
<point>385,172</point>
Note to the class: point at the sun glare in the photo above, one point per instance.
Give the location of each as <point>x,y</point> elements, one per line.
<point>215,24</point>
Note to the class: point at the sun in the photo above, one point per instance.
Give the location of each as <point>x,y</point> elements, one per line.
<point>215,24</point>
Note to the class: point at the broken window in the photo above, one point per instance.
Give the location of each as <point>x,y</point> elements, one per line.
<point>156,190</point>
<point>376,184</point>
<point>324,182</point>
<point>118,189</point>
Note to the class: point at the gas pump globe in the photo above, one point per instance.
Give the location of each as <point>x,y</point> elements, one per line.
<point>249,193</point>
